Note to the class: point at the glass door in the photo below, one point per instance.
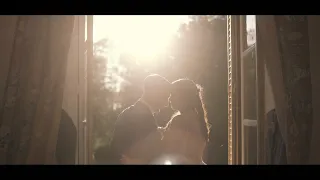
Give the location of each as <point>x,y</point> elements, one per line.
<point>252,94</point>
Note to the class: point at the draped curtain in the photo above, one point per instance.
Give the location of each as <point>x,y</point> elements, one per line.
<point>33,67</point>
<point>285,44</point>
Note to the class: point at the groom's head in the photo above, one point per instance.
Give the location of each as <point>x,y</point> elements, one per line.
<point>156,91</point>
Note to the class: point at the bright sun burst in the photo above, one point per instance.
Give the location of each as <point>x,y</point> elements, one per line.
<point>167,162</point>
<point>142,36</point>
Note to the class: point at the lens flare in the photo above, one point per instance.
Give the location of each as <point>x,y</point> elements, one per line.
<point>167,162</point>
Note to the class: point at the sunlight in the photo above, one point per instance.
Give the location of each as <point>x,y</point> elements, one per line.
<point>142,36</point>
<point>167,162</point>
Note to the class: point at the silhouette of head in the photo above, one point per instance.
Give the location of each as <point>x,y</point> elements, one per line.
<point>156,91</point>
<point>187,96</point>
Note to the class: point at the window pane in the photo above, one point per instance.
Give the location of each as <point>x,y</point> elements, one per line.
<point>249,106</point>
<point>249,84</point>
<point>251,29</point>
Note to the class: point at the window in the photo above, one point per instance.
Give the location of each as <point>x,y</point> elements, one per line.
<point>251,29</point>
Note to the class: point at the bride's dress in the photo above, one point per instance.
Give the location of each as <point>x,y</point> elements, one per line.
<point>183,143</point>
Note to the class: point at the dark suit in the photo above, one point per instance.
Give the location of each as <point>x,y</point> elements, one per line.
<point>136,134</point>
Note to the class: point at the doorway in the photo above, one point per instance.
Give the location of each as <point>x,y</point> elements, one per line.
<point>128,48</point>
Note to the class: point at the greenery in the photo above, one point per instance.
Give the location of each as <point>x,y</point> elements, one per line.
<point>198,52</point>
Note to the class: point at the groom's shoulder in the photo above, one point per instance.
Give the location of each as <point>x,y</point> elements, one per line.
<point>125,112</point>
<point>136,109</point>
<point>129,110</point>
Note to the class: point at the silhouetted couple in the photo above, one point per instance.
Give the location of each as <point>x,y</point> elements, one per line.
<point>137,138</point>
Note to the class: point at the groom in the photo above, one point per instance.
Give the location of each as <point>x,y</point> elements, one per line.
<point>136,138</point>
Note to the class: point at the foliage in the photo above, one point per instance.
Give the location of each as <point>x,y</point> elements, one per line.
<point>200,54</point>
<point>104,113</point>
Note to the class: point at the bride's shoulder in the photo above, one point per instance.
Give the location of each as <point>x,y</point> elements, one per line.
<point>189,116</point>
<point>174,121</point>
<point>185,116</point>
<point>182,118</point>
<point>179,120</point>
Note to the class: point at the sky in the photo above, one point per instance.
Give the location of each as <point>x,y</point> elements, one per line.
<point>125,25</point>
<point>142,36</point>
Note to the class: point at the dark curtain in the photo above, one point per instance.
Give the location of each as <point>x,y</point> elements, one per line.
<point>32,86</point>
<point>67,140</point>
<point>275,146</point>
<point>285,44</point>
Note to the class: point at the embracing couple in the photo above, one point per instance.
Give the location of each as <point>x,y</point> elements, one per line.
<point>137,138</point>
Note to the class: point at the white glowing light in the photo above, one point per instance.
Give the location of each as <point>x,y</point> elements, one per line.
<point>142,36</point>
<point>167,162</point>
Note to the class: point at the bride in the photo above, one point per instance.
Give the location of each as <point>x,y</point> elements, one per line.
<point>187,133</point>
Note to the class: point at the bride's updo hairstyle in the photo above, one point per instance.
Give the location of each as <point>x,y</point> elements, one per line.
<point>187,95</point>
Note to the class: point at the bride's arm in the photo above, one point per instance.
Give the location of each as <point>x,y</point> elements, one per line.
<point>173,125</point>
<point>175,119</point>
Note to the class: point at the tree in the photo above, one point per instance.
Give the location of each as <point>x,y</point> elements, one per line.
<point>104,111</point>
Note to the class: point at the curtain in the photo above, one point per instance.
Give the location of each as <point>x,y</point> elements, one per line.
<point>284,40</point>
<point>314,40</point>
<point>31,89</point>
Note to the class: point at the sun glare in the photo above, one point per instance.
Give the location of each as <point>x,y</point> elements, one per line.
<point>141,36</point>
<point>167,162</point>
